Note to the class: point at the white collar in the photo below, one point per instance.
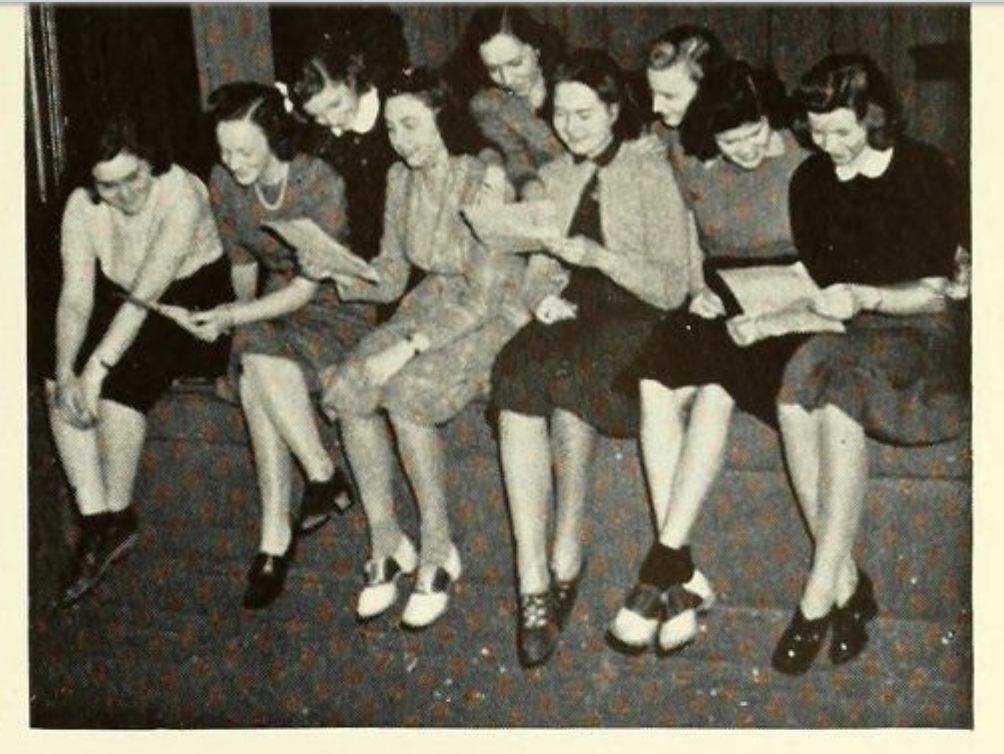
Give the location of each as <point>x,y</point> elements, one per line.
<point>871,163</point>
<point>367,114</point>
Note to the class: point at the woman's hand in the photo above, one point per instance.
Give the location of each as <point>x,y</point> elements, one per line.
<point>745,330</point>
<point>493,186</point>
<point>91,381</point>
<point>706,304</point>
<point>210,325</point>
<point>380,367</point>
<point>533,190</point>
<point>69,403</point>
<point>555,309</point>
<point>844,301</point>
<point>578,251</point>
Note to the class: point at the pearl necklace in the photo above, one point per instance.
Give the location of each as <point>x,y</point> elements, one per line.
<point>272,207</point>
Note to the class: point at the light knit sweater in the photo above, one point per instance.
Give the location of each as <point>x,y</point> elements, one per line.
<point>644,226</point>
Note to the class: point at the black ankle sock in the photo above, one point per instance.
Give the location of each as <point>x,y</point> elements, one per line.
<point>665,566</point>
<point>122,517</point>
<point>92,526</point>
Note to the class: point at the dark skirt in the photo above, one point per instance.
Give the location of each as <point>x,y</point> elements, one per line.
<point>901,378</point>
<point>162,351</point>
<point>685,350</point>
<point>574,365</point>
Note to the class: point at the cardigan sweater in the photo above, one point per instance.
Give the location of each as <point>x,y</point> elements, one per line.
<point>644,226</point>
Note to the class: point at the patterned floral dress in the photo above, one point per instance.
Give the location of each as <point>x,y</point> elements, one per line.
<point>321,333</point>
<point>468,304</point>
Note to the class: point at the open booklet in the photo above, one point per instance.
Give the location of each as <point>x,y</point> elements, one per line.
<point>304,235</point>
<point>515,228</point>
<point>762,289</point>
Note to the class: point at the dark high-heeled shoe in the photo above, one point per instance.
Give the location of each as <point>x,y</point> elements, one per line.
<point>266,577</point>
<point>537,634</point>
<point>800,643</point>
<point>320,500</point>
<point>850,634</point>
<point>565,593</point>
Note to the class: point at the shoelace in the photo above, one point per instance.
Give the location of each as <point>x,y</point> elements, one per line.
<point>534,609</point>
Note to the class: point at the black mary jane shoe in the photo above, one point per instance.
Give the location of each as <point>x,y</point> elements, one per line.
<point>266,577</point>
<point>850,633</point>
<point>564,594</point>
<point>320,500</point>
<point>800,643</point>
<point>538,631</point>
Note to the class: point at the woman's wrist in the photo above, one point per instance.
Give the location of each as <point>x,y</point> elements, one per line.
<point>98,364</point>
<point>229,316</point>
<point>869,297</point>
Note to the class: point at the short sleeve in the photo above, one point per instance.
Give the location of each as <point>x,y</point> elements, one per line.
<point>224,200</point>
<point>75,238</point>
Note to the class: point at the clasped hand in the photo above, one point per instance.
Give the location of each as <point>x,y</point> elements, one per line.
<point>76,397</point>
<point>207,326</point>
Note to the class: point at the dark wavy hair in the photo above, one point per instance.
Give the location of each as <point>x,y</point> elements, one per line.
<point>597,70</point>
<point>259,104</point>
<point>120,131</point>
<point>334,64</point>
<point>488,21</point>
<point>854,81</point>
<point>455,123</point>
<point>731,95</point>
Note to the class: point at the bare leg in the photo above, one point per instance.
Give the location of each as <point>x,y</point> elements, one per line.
<point>700,463</point>
<point>661,441</point>
<point>274,468</point>
<point>80,456</point>
<point>368,449</point>
<point>422,454</point>
<point>843,482</point>
<point>285,397</point>
<point>801,432</point>
<point>574,441</point>
<point>526,466</point>
<point>121,432</point>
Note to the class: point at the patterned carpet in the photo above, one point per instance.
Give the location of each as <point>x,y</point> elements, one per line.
<point>164,643</point>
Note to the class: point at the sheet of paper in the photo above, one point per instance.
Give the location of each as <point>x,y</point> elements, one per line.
<point>303,234</point>
<point>515,228</point>
<point>767,288</point>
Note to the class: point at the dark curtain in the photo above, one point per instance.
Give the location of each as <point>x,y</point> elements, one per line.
<point>297,28</point>
<point>142,55</point>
